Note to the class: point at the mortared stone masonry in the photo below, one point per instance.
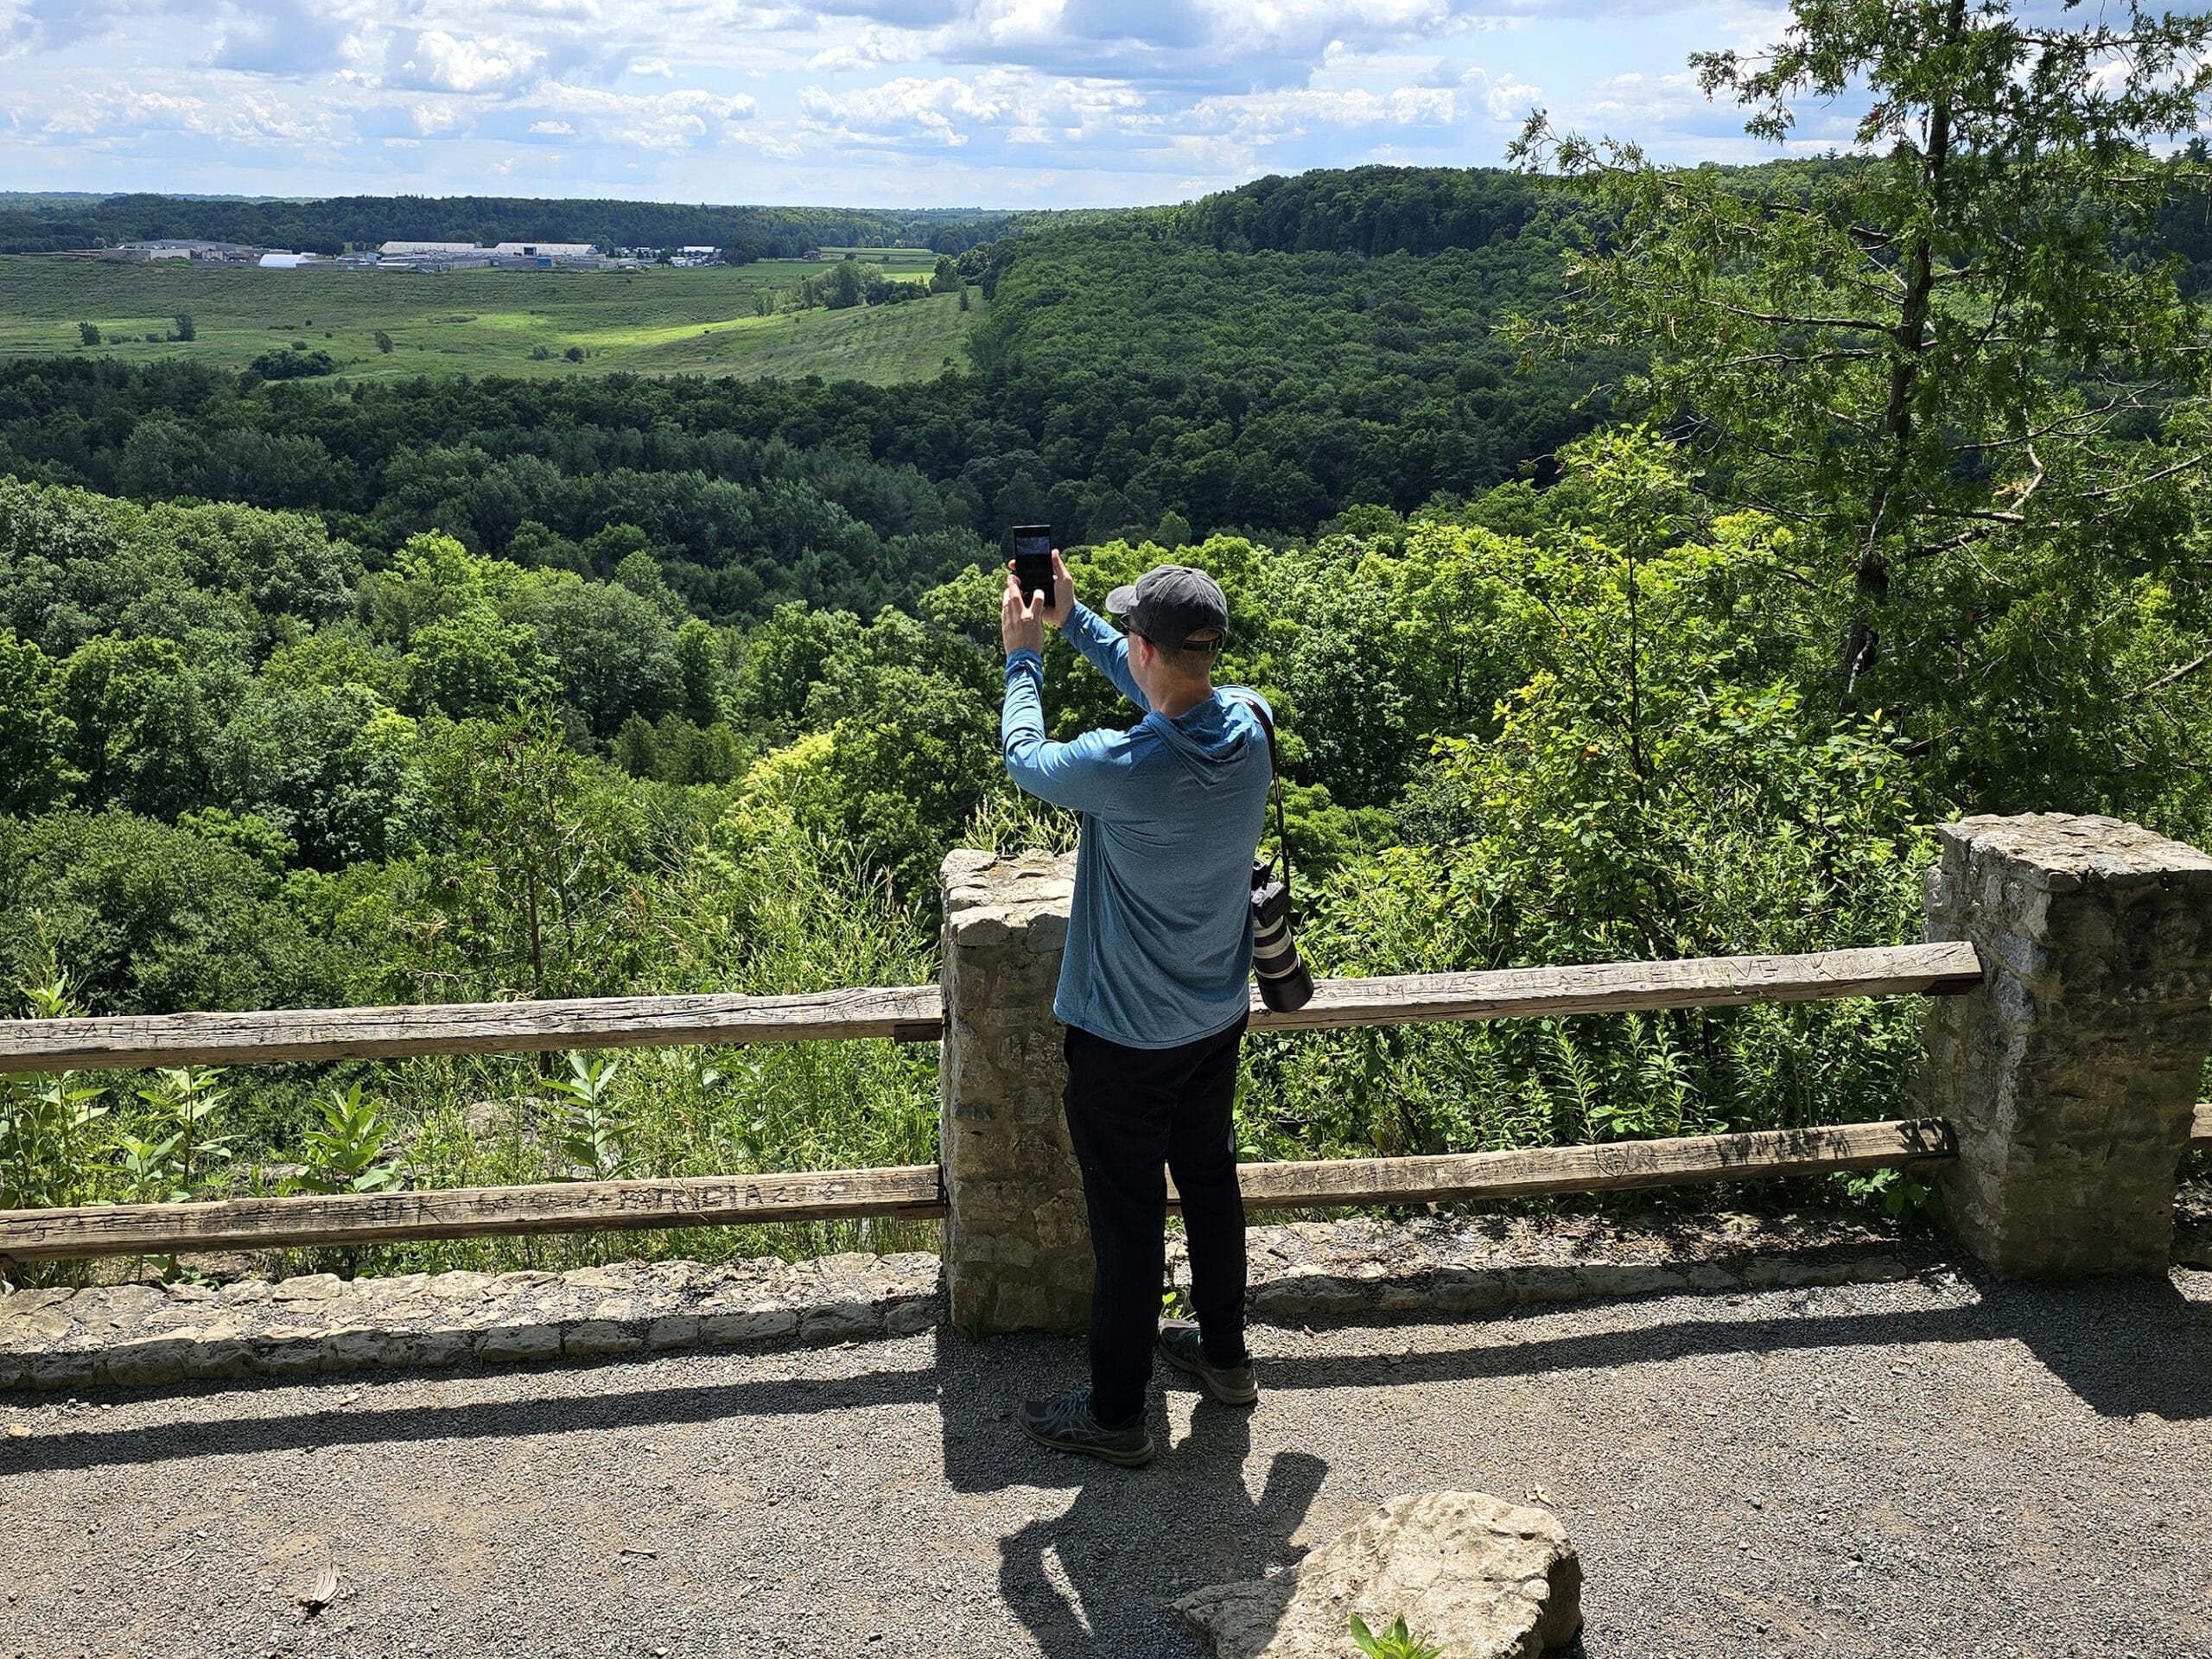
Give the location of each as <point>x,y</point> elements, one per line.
<point>1017,1244</point>
<point>2071,1076</point>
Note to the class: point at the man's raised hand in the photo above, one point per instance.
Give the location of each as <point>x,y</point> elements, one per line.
<point>1063,592</point>
<point>1020,627</point>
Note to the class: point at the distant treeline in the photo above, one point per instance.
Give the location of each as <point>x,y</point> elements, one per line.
<point>330,226</point>
<point>1364,210</point>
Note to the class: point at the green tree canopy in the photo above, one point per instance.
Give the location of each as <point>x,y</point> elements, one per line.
<point>1945,358</point>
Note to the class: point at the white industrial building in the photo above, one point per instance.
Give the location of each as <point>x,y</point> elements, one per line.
<point>171,247</point>
<point>421,250</point>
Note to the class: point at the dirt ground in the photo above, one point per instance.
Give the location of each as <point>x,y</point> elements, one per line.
<point>1941,1466</point>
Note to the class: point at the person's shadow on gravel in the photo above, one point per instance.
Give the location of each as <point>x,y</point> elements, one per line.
<point>1099,1579</point>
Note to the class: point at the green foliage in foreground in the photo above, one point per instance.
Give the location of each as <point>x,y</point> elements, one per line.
<point>1579,738</point>
<point>1396,1643</point>
<point>686,686</point>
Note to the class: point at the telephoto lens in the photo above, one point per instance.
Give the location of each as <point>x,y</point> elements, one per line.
<point>1286,982</point>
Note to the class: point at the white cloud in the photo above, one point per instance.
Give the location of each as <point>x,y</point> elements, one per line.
<point>909,101</point>
<point>280,37</point>
<point>1642,100</point>
<point>873,45</point>
<point>118,113</point>
<point>439,61</point>
<point>949,110</point>
<point>1511,99</point>
<point>657,121</point>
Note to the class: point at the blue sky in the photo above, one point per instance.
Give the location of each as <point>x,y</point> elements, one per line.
<point>999,103</point>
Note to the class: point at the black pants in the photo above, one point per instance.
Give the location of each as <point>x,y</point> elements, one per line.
<point>1130,1111</point>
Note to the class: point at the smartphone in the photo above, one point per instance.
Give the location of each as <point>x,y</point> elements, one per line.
<point>1032,560</point>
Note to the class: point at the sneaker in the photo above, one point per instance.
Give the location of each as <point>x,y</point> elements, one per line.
<point>1067,1425</point>
<point>1233,1385</point>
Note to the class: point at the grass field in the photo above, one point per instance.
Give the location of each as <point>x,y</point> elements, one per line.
<point>655,319</point>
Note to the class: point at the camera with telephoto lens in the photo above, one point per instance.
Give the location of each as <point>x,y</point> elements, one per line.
<point>1286,982</point>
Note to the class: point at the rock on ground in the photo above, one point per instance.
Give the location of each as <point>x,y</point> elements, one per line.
<point>1470,1573</point>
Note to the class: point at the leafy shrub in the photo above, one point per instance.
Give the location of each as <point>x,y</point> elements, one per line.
<point>297,364</point>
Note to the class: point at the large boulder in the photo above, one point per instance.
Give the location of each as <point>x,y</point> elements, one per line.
<point>1480,1578</point>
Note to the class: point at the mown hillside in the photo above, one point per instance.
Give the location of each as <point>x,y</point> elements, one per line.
<point>749,320</point>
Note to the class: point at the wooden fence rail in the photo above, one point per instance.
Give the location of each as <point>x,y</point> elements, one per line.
<point>913,1193</point>
<point>1610,1167</point>
<point>915,1013</point>
<point>466,1213</point>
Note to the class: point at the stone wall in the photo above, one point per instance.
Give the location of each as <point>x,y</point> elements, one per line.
<point>2070,1075</point>
<point>1017,1246</point>
<point>1310,1274</point>
<point>140,1335</point>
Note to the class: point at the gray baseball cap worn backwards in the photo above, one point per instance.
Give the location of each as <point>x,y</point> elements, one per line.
<point>1174,605</point>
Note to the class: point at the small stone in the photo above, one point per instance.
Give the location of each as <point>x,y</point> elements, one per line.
<point>1470,1290</point>
<point>308,1288</point>
<point>508,1342</point>
<point>747,1324</point>
<point>61,1370</point>
<point>1304,1297</point>
<point>286,1350</point>
<point>448,1346</point>
<point>910,1315</point>
<point>1480,1578</point>
<point>599,1278</point>
<point>360,1347</point>
<point>839,1321</point>
<point>681,1331</point>
<point>461,1286</point>
<point>147,1363</point>
<point>211,1356</point>
<point>592,1337</point>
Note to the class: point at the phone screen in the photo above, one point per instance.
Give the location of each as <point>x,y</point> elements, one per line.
<point>1032,560</point>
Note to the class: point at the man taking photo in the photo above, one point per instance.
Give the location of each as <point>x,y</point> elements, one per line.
<point>1155,981</point>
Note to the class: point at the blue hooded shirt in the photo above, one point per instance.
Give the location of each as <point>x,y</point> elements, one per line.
<point>1160,937</point>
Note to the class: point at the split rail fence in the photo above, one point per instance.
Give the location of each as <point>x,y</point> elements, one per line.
<point>915,1013</point>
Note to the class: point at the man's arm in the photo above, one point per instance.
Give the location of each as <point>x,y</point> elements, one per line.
<point>1104,648</point>
<point>1087,775</point>
<point>1100,642</point>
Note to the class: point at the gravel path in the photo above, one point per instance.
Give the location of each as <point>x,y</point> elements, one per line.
<point>1940,1466</point>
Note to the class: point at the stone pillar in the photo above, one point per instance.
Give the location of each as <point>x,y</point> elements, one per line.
<point>2070,1075</point>
<point>1017,1246</point>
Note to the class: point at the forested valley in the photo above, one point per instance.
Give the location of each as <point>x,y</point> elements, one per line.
<point>1639,561</point>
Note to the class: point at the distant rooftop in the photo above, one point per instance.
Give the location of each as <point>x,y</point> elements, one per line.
<point>402,250</point>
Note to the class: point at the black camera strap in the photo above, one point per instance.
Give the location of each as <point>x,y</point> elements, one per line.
<point>1274,766</point>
